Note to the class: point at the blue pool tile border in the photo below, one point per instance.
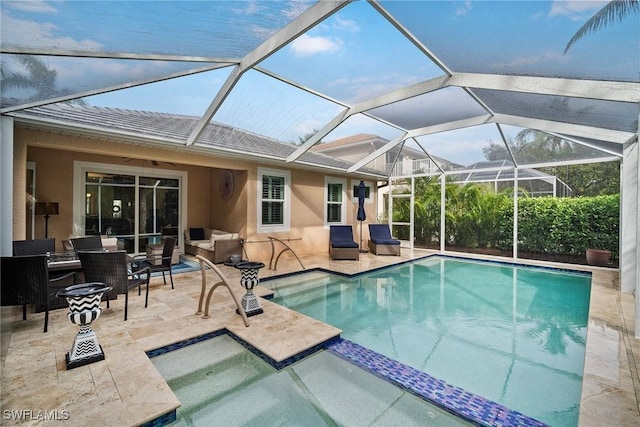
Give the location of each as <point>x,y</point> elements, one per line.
<point>285,362</point>
<point>274,363</point>
<point>162,420</point>
<point>453,399</point>
<point>184,343</point>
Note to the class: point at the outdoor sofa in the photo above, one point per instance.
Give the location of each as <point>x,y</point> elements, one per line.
<point>215,245</point>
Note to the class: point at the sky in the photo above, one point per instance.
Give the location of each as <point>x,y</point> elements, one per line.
<point>352,56</point>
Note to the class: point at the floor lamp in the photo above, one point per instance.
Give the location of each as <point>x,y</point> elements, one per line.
<point>47,209</point>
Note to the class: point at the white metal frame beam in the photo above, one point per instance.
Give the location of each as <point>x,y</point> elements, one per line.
<point>388,98</point>
<point>591,89</point>
<point>298,26</point>
<point>569,129</point>
<point>380,151</point>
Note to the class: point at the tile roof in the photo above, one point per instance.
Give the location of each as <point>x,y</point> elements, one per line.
<point>171,128</point>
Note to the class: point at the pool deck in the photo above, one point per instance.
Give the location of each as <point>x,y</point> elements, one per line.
<point>126,389</point>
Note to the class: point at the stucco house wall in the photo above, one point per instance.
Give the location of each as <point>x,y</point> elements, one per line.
<point>54,155</point>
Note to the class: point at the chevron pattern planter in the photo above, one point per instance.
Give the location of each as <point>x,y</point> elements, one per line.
<point>249,280</point>
<point>84,308</point>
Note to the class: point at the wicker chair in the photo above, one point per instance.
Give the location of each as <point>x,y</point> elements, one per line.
<point>341,243</point>
<point>112,269</point>
<point>381,242</point>
<point>89,243</point>
<point>165,260</point>
<point>34,247</point>
<point>25,280</point>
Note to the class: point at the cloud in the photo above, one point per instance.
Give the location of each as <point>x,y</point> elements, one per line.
<point>30,6</point>
<point>39,34</point>
<point>296,8</point>
<point>532,59</point>
<point>464,9</point>
<point>308,126</point>
<point>346,24</point>
<point>306,45</point>
<point>358,88</point>
<point>575,10</point>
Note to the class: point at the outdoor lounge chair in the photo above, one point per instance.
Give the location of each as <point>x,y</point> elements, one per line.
<point>381,242</point>
<point>341,243</point>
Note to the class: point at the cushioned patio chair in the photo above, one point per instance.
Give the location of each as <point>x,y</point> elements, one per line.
<point>25,280</point>
<point>381,242</point>
<point>341,243</point>
<point>112,268</point>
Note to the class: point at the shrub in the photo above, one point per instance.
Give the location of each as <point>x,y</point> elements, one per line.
<point>476,217</point>
<point>569,225</point>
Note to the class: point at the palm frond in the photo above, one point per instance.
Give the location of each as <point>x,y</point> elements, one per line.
<point>615,10</point>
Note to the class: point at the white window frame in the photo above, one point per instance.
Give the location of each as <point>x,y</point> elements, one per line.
<point>355,183</point>
<point>345,197</point>
<point>80,168</point>
<point>286,220</point>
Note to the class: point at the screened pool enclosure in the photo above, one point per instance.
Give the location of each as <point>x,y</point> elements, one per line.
<point>467,88</point>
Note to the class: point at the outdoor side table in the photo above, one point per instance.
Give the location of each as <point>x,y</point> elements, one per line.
<point>156,249</point>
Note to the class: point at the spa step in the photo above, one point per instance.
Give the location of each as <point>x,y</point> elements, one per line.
<point>307,287</point>
<point>215,381</point>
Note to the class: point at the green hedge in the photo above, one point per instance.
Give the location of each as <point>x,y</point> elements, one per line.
<point>478,218</point>
<point>569,225</point>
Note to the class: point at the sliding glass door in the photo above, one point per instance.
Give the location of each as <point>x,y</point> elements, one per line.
<point>136,208</point>
<point>158,209</point>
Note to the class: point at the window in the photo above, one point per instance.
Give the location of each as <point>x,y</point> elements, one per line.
<point>335,210</point>
<point>137,206</point>
<point>273,203</point>
<point>367,191</point>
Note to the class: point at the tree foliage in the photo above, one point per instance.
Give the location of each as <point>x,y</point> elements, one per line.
<point>569,225</point>
<point>613,11</point>
<point>38,78</point>
<point>477,217</point>
<point>531,146</point>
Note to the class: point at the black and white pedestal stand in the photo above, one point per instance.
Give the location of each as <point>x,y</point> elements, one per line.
<point>84,308</point>
<point>249,280</point>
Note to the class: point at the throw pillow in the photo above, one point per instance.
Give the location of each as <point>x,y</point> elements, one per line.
<point>196,233</point>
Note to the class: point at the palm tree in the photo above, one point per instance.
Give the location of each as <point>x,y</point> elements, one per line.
<point>38,77</point>
<point>613,11</point>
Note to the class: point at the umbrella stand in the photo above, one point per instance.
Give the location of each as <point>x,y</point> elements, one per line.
<point>362,215</point>
<point>362,251</point>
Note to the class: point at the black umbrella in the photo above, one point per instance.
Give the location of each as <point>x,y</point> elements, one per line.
<point>362,215</point>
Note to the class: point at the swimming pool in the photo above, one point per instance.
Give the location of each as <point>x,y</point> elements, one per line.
<point>512,334</point>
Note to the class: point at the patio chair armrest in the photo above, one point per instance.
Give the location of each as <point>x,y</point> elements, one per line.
<point>138,258</point>
<point>149,258</point>
<point>65,276</point>
<point>141,271</point>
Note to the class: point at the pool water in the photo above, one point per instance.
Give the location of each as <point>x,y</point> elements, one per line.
<point>512,334</point>
<point>221,383</point>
